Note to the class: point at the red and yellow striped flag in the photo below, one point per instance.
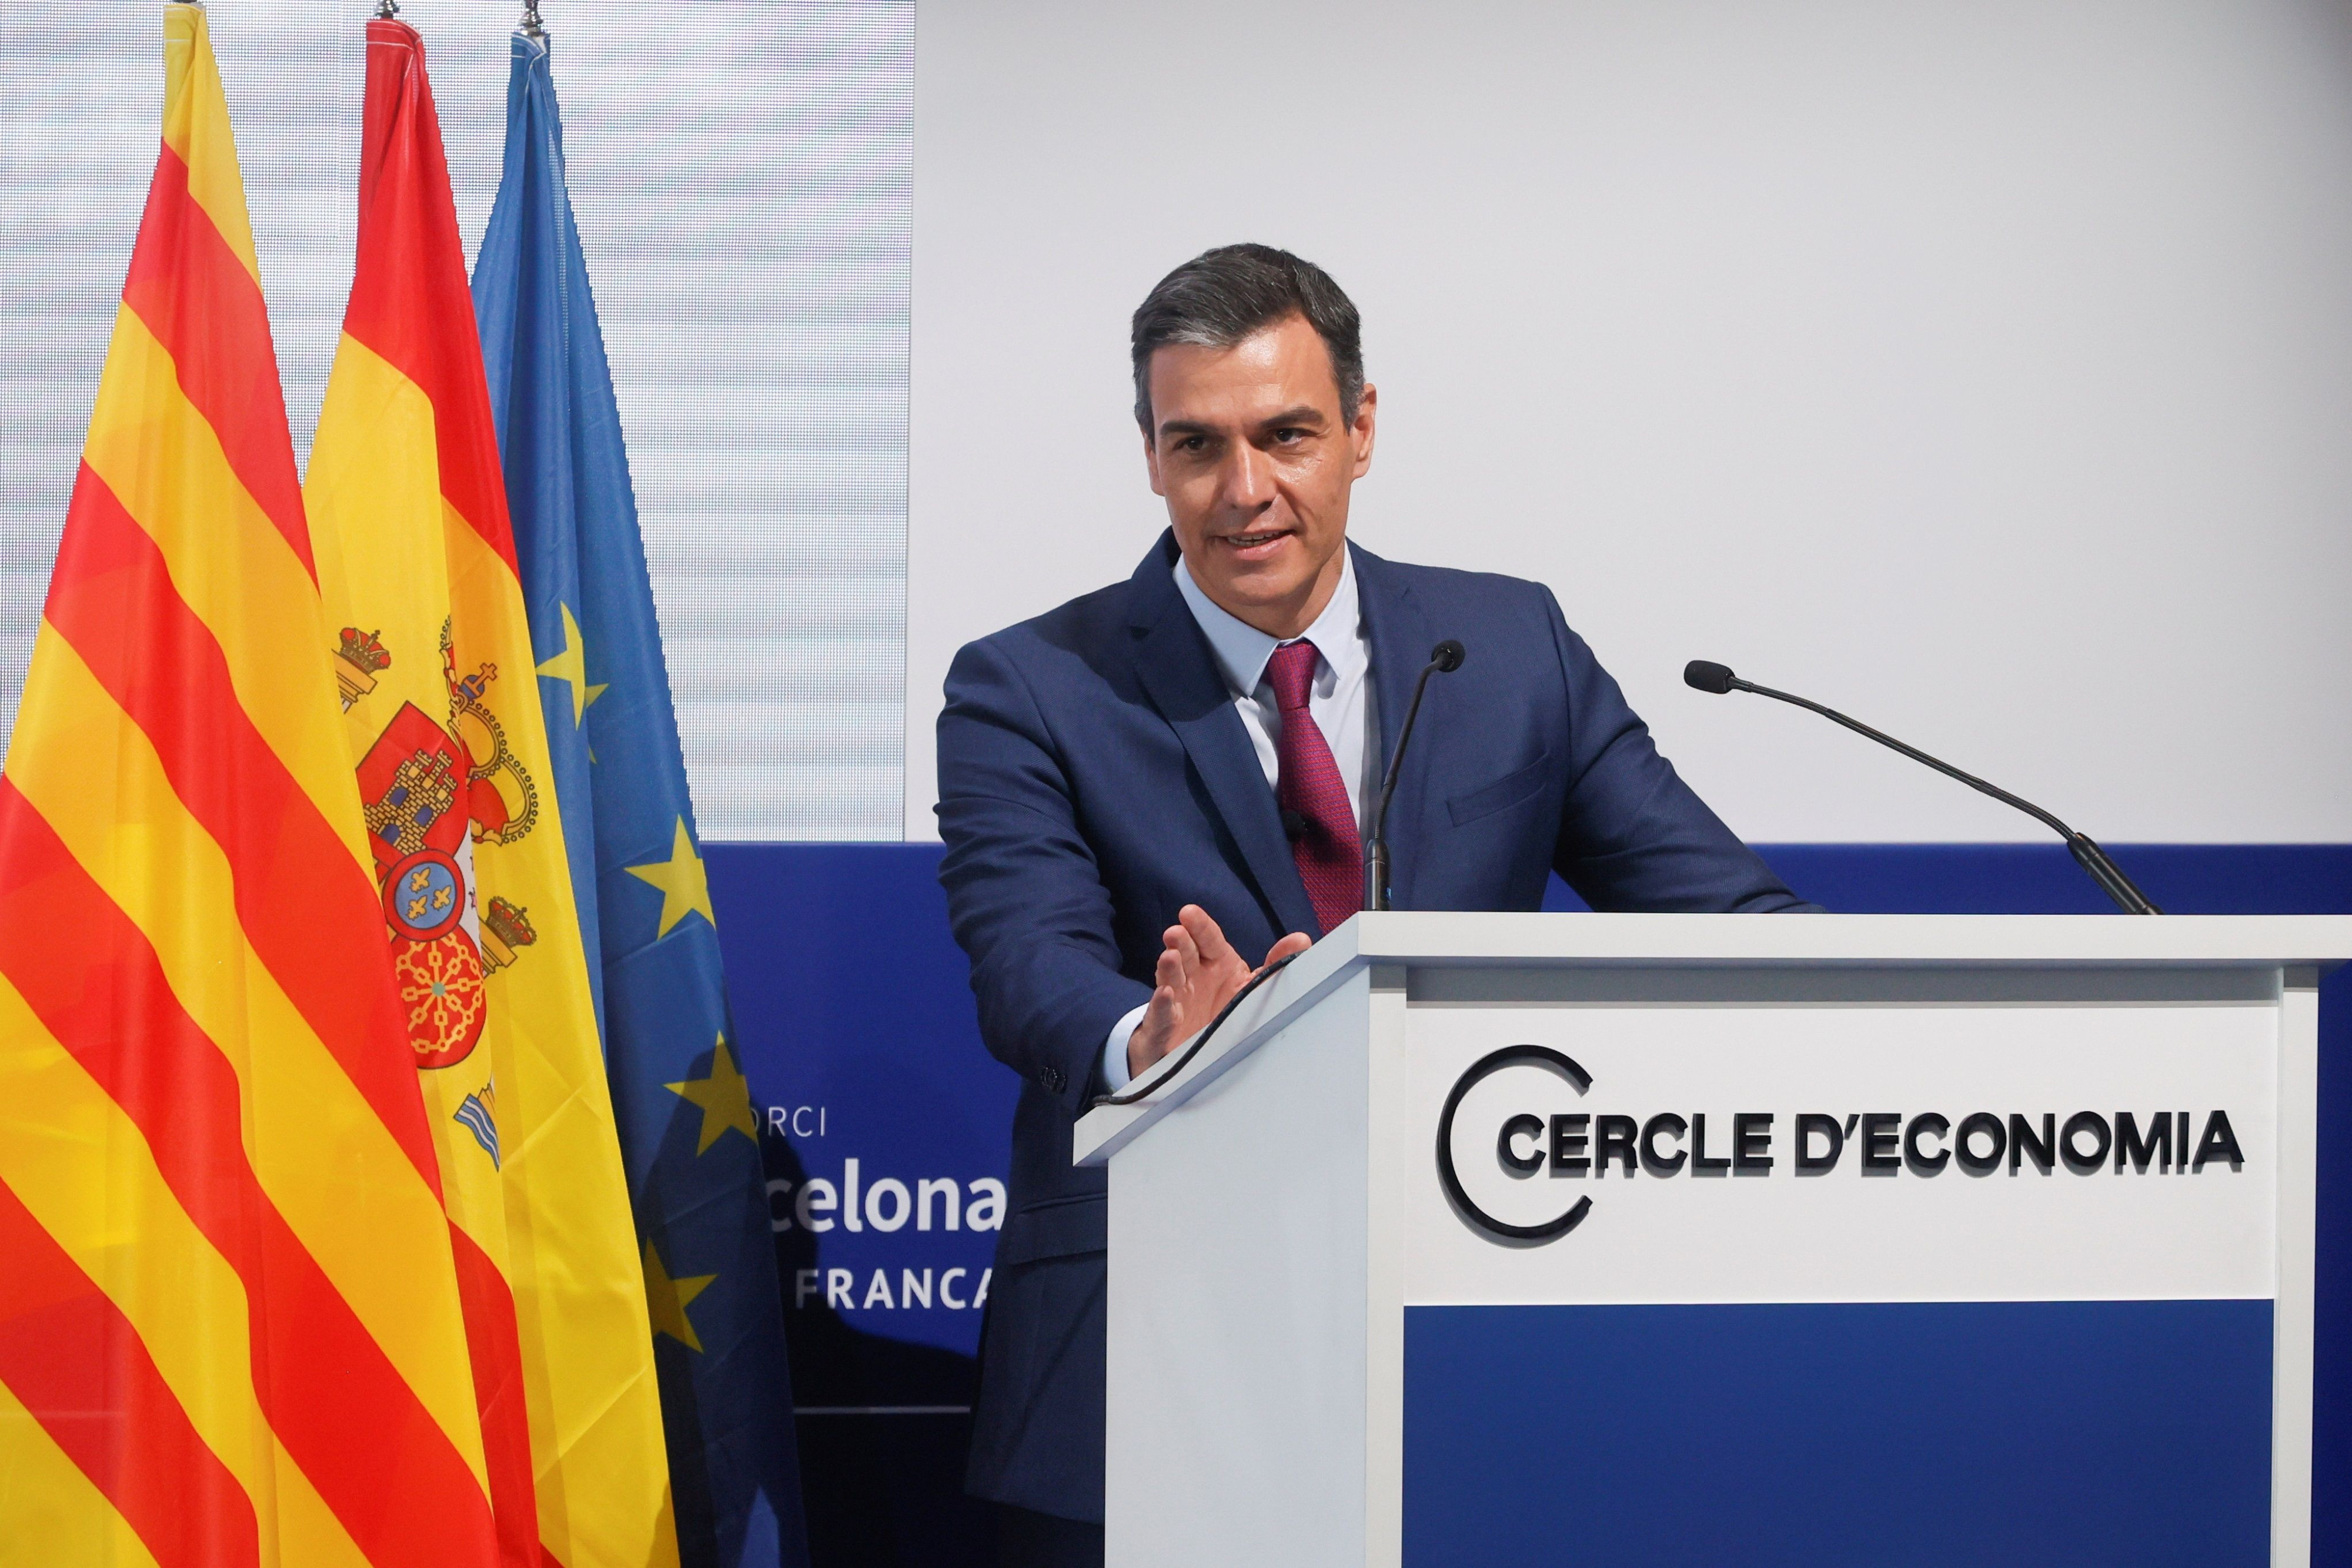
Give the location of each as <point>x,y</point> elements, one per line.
<point>416,562</point>
<point>230,1328</point>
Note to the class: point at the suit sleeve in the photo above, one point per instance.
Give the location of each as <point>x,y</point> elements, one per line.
<point>1024,894</point>
<point>1633,835</point>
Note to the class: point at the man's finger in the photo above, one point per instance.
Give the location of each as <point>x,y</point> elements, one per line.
<point>1207,935</point>
<point>1183,949</point>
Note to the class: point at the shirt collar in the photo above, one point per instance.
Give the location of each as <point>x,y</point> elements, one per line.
<point>1241,649</point>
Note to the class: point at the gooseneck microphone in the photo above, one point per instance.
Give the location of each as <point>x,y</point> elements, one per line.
<point>1443,659</point>
<point>1706,675</point>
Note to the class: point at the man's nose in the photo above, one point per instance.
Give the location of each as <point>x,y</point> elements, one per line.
<point>1246,482</point>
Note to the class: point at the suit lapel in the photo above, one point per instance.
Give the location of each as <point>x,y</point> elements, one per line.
<point>1177,673</point>
<point>1401,639</point>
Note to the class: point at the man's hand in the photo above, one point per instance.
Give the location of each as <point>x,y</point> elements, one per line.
<point>1198,973</point>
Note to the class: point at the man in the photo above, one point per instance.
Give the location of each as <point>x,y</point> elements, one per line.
<point>1146,792</point>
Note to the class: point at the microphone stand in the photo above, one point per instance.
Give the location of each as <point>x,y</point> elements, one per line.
<point>1443,659</point>
<point>1707,677</point>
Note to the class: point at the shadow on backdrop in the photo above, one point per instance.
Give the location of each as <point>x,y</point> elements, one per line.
<point>883,1489</point>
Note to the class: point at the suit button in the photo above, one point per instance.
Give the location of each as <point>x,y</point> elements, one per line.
<point>1051,1078</point>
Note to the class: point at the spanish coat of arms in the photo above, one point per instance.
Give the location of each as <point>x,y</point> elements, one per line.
<point>430,792</point>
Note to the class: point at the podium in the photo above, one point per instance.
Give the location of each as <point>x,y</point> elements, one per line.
<point>1665,1238</point>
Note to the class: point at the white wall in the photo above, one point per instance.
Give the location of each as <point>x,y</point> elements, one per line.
<point>1984,369</point>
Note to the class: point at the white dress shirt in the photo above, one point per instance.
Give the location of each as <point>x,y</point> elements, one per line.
<point>1340,703</point>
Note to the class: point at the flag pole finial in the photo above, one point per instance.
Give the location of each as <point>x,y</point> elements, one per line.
<point>386,10</point>
<point>530,27</point>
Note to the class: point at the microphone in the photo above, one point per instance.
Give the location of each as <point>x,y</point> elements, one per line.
<point>1706,675</point>
<point>1443,660</point>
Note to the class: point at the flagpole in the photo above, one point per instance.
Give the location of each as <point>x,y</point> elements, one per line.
<point>530,27</point>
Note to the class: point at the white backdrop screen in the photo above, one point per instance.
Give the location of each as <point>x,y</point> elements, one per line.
<point>742,173</point>
<point>1984,370</point>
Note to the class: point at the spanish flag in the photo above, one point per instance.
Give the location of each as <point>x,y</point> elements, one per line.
<point>230,1326</point>
<point>443,724</point>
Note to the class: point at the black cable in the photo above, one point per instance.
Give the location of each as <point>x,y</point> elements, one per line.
<point>1132,1095</point>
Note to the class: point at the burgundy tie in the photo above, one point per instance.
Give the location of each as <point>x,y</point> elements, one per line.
<point>1329,855</point>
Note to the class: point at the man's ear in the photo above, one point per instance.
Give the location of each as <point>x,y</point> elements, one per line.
<point>1152,462</point>
<point>1360,434</point>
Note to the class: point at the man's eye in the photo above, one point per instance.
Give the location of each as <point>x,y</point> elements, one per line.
<point>1192,444</point>
<point>1290,436</point>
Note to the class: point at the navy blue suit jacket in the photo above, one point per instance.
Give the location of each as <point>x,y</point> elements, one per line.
<point>1095,778</point>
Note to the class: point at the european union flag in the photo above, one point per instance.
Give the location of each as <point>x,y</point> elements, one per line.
<point>689,1131</point>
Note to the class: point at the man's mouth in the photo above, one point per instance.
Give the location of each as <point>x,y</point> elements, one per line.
<point>1255,545</point>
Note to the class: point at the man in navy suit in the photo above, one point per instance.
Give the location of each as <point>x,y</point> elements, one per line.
<point>1147,789</point>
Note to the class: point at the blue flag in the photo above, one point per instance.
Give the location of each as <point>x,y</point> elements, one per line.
<point>689,1132</point>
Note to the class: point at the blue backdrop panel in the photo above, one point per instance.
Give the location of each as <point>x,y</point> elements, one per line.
<point>854,1011</point>
<point>2042,879</point>
<point>1926,1434</point>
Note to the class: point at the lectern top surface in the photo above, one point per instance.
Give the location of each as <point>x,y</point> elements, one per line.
<point>1410,937</point>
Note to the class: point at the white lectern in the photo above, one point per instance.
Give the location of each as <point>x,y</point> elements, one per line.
<point>1715,1238</point>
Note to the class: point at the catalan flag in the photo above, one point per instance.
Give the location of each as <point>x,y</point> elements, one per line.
<point>688,1129</point>
<point>433,659</point>
<point>230,1326</point>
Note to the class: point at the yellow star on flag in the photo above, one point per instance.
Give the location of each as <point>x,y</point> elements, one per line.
<point>725,1097</point>
<point>685,889</point>
<point>572,664</point>
<point>667,1298</point>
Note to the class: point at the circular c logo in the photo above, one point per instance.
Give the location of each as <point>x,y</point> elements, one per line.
<point>1485,1067</point>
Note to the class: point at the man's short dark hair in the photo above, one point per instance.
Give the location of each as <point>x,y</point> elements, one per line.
<point>1222,296</point>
